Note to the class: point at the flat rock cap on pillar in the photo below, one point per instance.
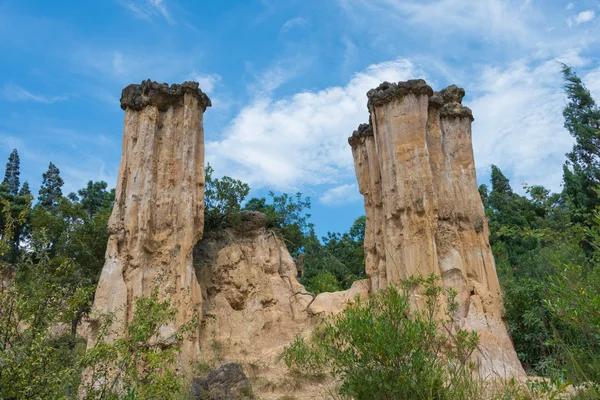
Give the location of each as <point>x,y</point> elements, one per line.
<point>163,96</point>
<point>387,91</point>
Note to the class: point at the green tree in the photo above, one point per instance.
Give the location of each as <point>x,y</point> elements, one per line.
<point>338,257</point>
<point>37,359</point>
<point>76,236</point>
<point>11,176</point>
<point>582,168</point>
<point>286,214</point>
<point>51,189</point>
<point>25,191</point>
<point>94,197</point>
<point>222,200</point>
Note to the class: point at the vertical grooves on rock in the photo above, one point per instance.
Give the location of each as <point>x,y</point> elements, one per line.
<point>158,213</point>
<point>432,219</point>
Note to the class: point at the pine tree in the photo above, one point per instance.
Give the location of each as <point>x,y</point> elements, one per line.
<point>50,191</point>
<point>11,176</point>
<point>582,169</point>
<point>25,191</point>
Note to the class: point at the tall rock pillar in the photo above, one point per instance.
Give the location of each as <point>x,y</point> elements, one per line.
<point>158,214</point>
<point>415,168</point>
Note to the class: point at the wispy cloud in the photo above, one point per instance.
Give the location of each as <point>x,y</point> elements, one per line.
<point>341,194</point>
<point>147,9</point>
<point>292,23</point>
<point>265,82</point>
<point>13,92</point>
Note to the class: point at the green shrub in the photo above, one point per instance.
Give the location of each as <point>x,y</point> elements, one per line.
<point>383,349</point>
<point>142,364</point>
<point>323,281</point>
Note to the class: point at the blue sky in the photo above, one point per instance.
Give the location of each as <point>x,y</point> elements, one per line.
<point>288,80</point>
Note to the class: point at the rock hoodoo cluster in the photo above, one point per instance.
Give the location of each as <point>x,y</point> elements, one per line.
<point>158,214</point>
<point>415,168</point>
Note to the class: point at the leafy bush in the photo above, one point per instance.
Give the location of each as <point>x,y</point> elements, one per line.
<point>222,200</point>
<point>382,348</point>
<point>142,364</point>
<point>323,281</point>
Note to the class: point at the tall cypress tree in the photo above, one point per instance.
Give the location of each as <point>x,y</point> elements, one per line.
<point>50,191</point>
<point>582,169</point>
<point>11,176</point>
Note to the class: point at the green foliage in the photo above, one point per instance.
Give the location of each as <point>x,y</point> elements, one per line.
<point>11,175</point>
<point>339,256</point>
<point>141,365</point>
<point>222,200</point>
<point>37,359</point>
<point>25,191</point>
<point>574,298</point>
<point>51,189</point>
<point>382,348</point>
<point>323,281</point>
<point>94,197</point>
<point>582,169</point>
<point>286,214</point>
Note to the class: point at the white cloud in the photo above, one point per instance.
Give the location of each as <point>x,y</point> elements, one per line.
<point>207,82</point>
<point>14,92</point>
<point>147,9</point>
<point>302,139</point>
<point>582,17</point>
<point>585,16</point>
<point>292,23</point>
<point>341,194</point>
<point>519,124</point>
<point>570,6</point>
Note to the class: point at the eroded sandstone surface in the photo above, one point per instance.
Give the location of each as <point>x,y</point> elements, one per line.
<point>415,168</point>
<point>158,214</point>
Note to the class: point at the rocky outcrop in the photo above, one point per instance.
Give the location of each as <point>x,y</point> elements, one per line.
<point>228,382</point>
<point>158,214</point>
<point>252,302</point>
<point>415,168</point>
<point>327,304</point>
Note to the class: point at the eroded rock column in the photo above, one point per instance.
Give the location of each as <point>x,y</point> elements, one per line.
<point>158,214</point>
<point>415,168</point>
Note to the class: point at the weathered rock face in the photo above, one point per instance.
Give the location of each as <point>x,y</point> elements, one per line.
<point>248,281</point>
<point>158,214</point>
<point>415,168</point>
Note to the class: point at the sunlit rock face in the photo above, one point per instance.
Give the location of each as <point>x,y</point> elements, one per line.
<point>415,168</point>
<point>158,214</point>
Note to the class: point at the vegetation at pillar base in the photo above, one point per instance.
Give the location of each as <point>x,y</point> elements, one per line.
<point>382,348</point>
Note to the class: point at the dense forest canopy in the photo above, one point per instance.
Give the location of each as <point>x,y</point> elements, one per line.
<point>546,246</point>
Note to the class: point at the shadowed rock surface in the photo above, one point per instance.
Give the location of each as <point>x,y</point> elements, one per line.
<point>424,214</point>
<point>226,383</point>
